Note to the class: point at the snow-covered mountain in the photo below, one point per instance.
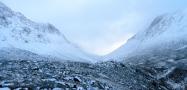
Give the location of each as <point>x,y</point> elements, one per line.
<point>168,31</point>
<point>16,31</point>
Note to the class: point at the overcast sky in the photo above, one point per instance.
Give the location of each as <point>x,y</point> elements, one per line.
<point>98,26</point>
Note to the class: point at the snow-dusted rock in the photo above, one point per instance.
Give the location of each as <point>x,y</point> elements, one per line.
<point>43,39</point>
<point>168,31</point>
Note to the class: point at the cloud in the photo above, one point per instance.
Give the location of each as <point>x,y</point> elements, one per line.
<point>117,32</point>
<point>67,6</point>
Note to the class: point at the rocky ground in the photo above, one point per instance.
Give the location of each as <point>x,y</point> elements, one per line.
<point>48,75</point>
<point>154,72</point>
<point>67,75</point>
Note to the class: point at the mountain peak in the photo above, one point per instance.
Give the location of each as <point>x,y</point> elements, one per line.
<point>43,39</point>
<point>166,31</point>
<point>5,11</point>
<point>2,5</point>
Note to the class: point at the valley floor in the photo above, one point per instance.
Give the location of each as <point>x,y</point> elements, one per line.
<point>155,72</point>
<point>37,75</point>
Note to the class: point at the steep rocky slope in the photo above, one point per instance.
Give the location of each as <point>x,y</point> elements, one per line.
<point>44,39</point>
<point>168,31</point>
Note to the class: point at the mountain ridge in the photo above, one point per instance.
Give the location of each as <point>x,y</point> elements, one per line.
<point>165,31</point>
<point>44,39</point>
